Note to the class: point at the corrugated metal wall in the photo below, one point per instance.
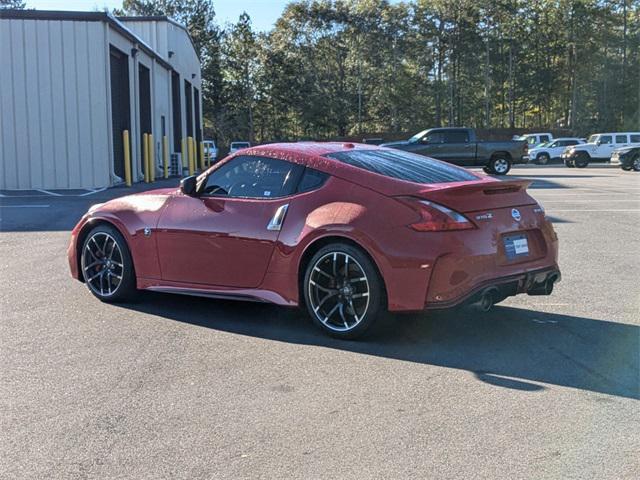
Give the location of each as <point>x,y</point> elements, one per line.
<point>54,117</point>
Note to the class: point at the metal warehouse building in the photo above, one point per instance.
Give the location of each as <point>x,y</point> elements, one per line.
<point>72,82</point>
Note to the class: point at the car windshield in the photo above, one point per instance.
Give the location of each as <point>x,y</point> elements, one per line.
<point>403,166</point>
<point>416,138</point>
<point>592,139</point>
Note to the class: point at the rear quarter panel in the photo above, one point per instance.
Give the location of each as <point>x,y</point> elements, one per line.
<point>375,222</point>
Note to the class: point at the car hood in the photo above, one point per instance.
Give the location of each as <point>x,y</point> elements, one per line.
<point>399,143</point>
<point>151,200</point>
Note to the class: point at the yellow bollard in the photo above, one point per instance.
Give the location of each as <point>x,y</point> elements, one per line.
<point>192,163</point>
<point>202,162</point>
<point>152,159</point>
<point>127,157</point>
<point>145,156</point>
<point>165,156</point>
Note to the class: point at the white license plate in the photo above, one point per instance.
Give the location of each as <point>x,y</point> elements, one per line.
<point>516,246</point>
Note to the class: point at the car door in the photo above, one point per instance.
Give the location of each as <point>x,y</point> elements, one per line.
<point>604,148</point>
<point>557,147</point>
<point>431,144</point>
<point>621,141</point>
<point>226,234</point>
<point>457,148</point>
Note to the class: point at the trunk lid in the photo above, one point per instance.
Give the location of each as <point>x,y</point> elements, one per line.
<point>474,196</point>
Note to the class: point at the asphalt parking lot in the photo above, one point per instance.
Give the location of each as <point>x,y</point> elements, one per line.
<point>181,387</point>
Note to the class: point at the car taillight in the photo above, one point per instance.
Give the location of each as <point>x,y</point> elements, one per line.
<point>435,217</point>
<point>526,148</point>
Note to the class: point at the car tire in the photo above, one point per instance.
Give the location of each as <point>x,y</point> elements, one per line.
<point>626,168</point>
<point>543,159</point>
<point>582,160</point>
<point>636,163</point>
<point>343,291</point>
<point>569,163</point>
<point>500,165</point>
<point>107,266</point>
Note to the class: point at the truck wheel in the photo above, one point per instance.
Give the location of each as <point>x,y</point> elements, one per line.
<point>543,159</point>
<point>500,165</point>
<point>582,160</point>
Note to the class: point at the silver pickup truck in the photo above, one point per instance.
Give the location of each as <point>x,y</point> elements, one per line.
<point>460,147</point>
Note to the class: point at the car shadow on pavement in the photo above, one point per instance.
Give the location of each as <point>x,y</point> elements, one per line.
<point>507,347</point>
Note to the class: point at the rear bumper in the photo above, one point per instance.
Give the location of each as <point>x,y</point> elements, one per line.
<point>535,282</point>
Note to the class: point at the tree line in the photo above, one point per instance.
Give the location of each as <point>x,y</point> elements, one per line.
<point>340,68</point>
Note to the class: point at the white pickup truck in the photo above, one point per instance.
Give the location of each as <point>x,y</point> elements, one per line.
<point>599,148</point>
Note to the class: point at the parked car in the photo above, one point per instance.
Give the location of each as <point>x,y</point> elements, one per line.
<point>236,146</point>
<point>460,147</point>
<point>543,154</point>
<point>345,231</point>
<point>628,158</point>
<point>210,150</point>
<point>535,139</point>
<point>598,148</point>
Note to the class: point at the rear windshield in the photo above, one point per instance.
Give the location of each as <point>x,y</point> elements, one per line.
<point>403,165</point>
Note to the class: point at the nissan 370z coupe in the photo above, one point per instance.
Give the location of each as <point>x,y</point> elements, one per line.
<point>345,230</point>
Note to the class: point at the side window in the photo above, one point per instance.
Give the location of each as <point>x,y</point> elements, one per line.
<point>433,137</point>
<point>532,140</point>
<point>621,139</point>
<point>249,176</point>
<point>311,179</point>
<point>605,139</point>
<point>544,138</point>
<point>571,142</point>
<point>634,138</point>
<point>557,143</point>
<point>456,136</point>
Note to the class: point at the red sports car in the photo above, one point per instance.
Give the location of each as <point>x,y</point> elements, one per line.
<point>347,230</point>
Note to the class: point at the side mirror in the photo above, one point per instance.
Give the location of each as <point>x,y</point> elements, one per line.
<point>188,185</point>
<point>599,142</point>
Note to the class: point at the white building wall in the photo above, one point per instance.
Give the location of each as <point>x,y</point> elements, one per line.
<point>53,98</point>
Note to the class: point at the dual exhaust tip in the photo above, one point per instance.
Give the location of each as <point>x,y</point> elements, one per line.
<point>492,295</point>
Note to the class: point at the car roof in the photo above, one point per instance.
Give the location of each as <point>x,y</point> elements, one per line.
<point>313,155</point>
<point>617,133</point>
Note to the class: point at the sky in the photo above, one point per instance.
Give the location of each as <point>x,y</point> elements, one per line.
<point>263,13</point>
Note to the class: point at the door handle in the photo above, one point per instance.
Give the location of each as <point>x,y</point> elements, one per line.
<point>277,220</point>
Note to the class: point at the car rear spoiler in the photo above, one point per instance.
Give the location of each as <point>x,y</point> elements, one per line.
<point>470,197</point>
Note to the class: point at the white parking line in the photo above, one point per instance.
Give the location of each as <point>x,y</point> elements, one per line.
<point>593,201</point>
<point>587,210</point>
<point>92,192</point>
<point>24,206</point>
<point>49,193</point>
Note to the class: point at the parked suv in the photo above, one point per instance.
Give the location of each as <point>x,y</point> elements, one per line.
<point>459,146</point>
<point>599,148</point>
<point>627,157</point>
<point>543,154</point>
